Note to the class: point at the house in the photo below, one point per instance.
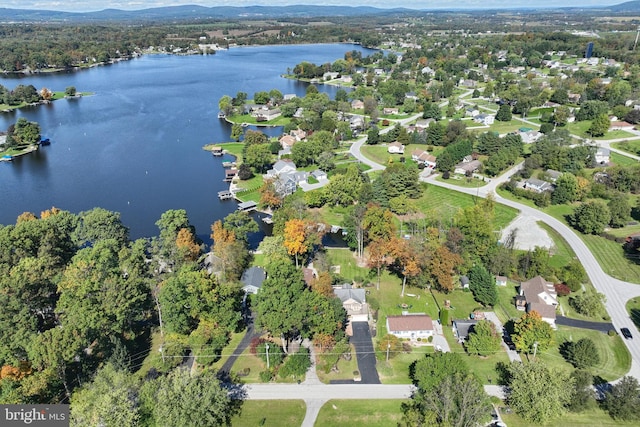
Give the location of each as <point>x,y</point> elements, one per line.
<point>287,141</point>
<point>354,302</point>
<point>501,281</point>
<point>288,96</point>
<point>485,119</point>
<point>422,124</point>
<point>553,174</point>
<point>298,134</point>
<point>212,264</point>
<point>330,75</point>
<point>540,296</point>
<point>464,168</point>
<point>356,122</point>
<point>471,112</point>
<point>281,167</point>
<point>356,104</point>
<point>530,136</point>
<point>390,110</point>
<point>423,157</point>
<point>285,185</point>
<point>395,148</point>
<point>412,326</point>
<point>266,114</point>
<point>537,185</point>
<point>464,282</point>
<point>320,175</point>
<point>602,156</point>
<point>252,279</point>
<point>462,327</point>
<point>620,125</point>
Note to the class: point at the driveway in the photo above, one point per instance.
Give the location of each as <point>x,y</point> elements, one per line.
<point>584,324</point>
<point>493,318</point>
<point>365,354</point>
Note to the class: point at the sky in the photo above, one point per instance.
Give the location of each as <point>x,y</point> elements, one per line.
<point>95,5</point>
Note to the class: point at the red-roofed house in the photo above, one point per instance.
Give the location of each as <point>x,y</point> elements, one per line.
<point>412,326</point>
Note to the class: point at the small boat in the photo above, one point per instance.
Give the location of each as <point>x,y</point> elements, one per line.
<point>45,141</point>
<point>221,115</point>
<point>6,158</point>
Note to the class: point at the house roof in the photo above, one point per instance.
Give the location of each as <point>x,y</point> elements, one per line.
<point>534,182</point>
<point>538,290</point>
<point>254,276</point>
<point>464,280</point>
<point>463,326</point>
<point>283,164</point>
<point>410,322</point>
<point>501,278</point>
<point>308,275</point>
<point>545,311</point>
<point>357,295</point>
<point>469,166</point>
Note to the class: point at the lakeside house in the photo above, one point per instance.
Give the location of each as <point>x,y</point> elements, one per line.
<point>252,279</point>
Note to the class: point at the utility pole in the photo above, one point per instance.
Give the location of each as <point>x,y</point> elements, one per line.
<point>535,349</point>
<point>637,35</point>
<point>388,347</point>
<point>267,347</point>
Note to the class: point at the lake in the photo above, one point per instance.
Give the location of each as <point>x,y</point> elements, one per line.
<point>135,146</point>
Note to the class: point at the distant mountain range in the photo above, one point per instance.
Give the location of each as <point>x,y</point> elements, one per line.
<point>194,12</point>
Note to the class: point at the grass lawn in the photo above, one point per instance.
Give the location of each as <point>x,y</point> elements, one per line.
<point>233,148</point>
<point>622,160</point>
<point>247,118</point>
<point>632,147</point>
<point>615,360</point>
<point>561,253</point>
<point>633,308</point>
<point>396,370</point>
<point>595,417</point>
<point>349,268</point>
<point>333,215</point>
<point>445,203</point>
<point>462,181</point>
<point>270,413</point>
<point>344,370</point>
<point>379,154</point>
<point>228,350</point>
<point>506,127</point>
<point>615,134</point>
<point>360,413</point>
<point>255,365</point>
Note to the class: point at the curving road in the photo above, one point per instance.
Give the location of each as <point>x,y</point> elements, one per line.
<point>616,291</point>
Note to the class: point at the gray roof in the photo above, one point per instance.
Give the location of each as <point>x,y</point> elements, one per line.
<point>347,294</point>
<point>254,276</point>
<point>463,326</point>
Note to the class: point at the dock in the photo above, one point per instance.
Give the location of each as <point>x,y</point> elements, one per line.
<point>267,220</point>
<point>247,206</point>
<point>229,174</point>
<point>224,195</point>
<point>216,151</point>
<point>229,164</point>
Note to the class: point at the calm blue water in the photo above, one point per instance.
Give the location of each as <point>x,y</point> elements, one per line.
<point>136,145</point>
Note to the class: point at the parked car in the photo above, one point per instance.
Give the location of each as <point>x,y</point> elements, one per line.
<point>626,333</point>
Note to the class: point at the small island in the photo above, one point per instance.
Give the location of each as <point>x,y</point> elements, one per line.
<point>28,95</point>
<point>21,138</point>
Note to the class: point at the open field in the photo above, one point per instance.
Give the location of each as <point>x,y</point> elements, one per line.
<point>595,417</point>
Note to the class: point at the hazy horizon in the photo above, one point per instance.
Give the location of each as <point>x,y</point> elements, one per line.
<point>97,5</point>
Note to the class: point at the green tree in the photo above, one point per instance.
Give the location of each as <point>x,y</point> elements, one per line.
<point>623,400</point>
<point>582,353</point>
<point>225,104</point>
<point>428,372</point>
<point>620,209</point>
<point>482,285</point>
<point>537,392</point>
<point>181,399</point>
<point>483,339</point>
<point>373,135</point>
<point>259,157</point>
<point>590,217</point>
<point>600,125</point>
<point>504,113</point>
<point>583,395</point>
<point>588,304</point>
<point>70,91</point>
<point>530,331</point>
<point>236,131</point>
<point>109,400</point>
<point>99,224</point>
<point>23,133</point>
<point>566,190</point>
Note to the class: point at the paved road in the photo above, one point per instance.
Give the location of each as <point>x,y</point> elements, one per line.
<point>616,291</point>
<point>594,326</point>
<point>365,354</point>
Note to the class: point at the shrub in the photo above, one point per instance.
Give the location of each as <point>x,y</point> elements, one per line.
<point>296,365</point>
<point>430,339</point>
<point>276,356</point>
<point>562,290</point>
<point>266,376</point>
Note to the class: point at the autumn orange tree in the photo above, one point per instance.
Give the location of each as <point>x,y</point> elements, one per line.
<point>531,333</point>
<point>269,198</point>
<point>406,256</point>
<point>379,256</point>
<point>294,238</point>
<point>441,267</point>
<point>230,251</point>
<point>186,244</point>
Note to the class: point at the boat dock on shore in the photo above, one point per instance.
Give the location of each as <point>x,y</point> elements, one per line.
<point>224,195</point>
